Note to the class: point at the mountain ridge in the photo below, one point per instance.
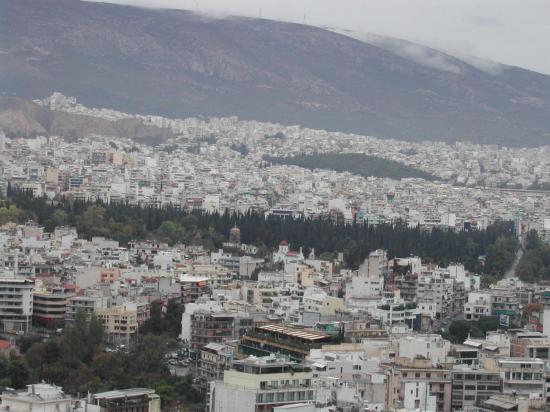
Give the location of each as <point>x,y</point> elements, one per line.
<point>177,64</point>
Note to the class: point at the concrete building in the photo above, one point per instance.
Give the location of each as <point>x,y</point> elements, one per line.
<point>317,300</point>
<point>192,287</point>
<point>432,347</point>
<point>16,304</point>
<point>522,376</point>
<point>504,302</point>
<point>530,345</point>
<point>125,400</point>
<point>390,314</point>
<point>479,304</point>
<point>89,304</point>
<point>296,343</point>
<point>216,327</point>
<point>119,323</point>
<point>214,360</point>
<point>404,371</point>
<point>473,386</point>
<point>40,397</point>
<point>376,265</point>
<point>261,384</point>
<point>508,403</point>
<point>50,305</point>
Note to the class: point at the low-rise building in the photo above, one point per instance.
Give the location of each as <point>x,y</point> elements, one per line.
<point>41,397</point>
<point>192,287</point>
<point>119,323</point>
<point>479,304</point>
<point>296,343</point>
<point>88,304</point>
<point>473,386</point>
<point>404,370</point>
<point>216,327</point>
<point>16,304</point>
<point>214,360</point>
<point>50,305</point>
<point>260,384</point>
<point>522,376</point>
<point>125,400</point>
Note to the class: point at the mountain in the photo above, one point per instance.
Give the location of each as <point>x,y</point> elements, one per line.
<point>177,63</point>
<point>20,117</point>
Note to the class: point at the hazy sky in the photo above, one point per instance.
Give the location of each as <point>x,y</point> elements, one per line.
<point>515,32</point>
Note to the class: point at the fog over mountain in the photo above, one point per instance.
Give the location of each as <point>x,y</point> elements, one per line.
<point>177,63</point>
<point>507,31</point>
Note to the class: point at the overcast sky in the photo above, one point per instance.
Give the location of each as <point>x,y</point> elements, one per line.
<point>515,32</point>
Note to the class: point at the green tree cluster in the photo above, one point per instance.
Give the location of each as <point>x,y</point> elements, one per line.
<point>167,322</point>
<point>356,163</point>
<point>9,213</point>
<point>501,255</point>
<point>534,265</point>
<point>460,329</point>
<point>125,222</point>
<point>77,362</point>
<point>13,373</point>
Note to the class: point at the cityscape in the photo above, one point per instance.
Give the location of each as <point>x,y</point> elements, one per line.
<point>183,261</point>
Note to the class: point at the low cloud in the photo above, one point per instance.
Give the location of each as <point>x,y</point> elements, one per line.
<point>513,32</point>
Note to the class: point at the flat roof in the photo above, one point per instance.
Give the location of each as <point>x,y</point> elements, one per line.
<point>501,402</point>
<point>124,392</point>
<point>294,332</point>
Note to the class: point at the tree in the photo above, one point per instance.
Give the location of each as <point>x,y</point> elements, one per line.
<point>95,336</point>
<point>501,255</point>
<point>174,310</point>
<point>170,231</point>
<point>18,373</point>
<point>488,323</point>
<point>75,338</point>
<point>459,330</point>
<point>9,214</point>
<point>59,218</point>
<point>92,221</point>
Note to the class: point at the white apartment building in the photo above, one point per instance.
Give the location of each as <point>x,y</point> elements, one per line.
<point>16,303</point>
<point>89,304</point>
<point>375,265</point>
<point>317,300</point>
<point>478,305</point>
<point>522,376</point>
<point>41,397</point>
<point>260,384</point>
<point>432,347</point>
<point>417,397</point>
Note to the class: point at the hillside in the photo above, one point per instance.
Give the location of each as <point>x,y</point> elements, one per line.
<point>20,117</point>
<point>176,63</point>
